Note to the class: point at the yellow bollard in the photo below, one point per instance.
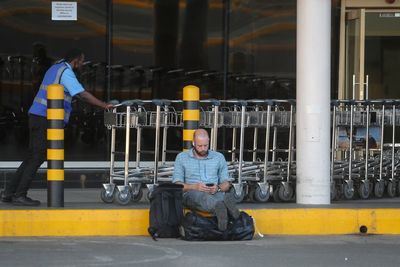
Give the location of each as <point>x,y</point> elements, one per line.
<point>55,145</point>
<point>191,114</point>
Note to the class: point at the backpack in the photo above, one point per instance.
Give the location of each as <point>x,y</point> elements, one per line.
<point>199,228</point>
<point>166,211</point>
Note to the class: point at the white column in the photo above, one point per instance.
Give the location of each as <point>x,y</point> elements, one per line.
<point>313,101</point>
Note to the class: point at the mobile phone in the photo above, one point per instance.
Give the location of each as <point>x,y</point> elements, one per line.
<point>210,184</point>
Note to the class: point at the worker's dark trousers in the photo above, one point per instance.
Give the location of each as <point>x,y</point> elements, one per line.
<point>26,172</point>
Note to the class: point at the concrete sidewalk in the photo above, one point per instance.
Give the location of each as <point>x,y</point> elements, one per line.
<point>85,214</point>
<point>90,198</point>
<point>282,251</point>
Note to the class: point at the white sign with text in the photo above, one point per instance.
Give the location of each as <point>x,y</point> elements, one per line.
<point>64,11</point>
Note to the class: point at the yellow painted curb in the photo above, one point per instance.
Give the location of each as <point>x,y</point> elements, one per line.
<point>132,222</point>
<point>326,221</point>
<point>73,222</point>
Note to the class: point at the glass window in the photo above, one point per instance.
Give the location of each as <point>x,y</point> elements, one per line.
<point>159,46</point>
<point>31,42</point>
<point>262,52</point>
<point>382,53</point>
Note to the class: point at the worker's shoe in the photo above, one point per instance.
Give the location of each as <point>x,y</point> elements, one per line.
<point>4,197</point>
<point>222,215</point>
<point>25,201</point>
<point>230,204</point>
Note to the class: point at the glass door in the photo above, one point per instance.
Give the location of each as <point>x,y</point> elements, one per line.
<point>371,47</point>
<point>382,53</point>
<point>354,54</point>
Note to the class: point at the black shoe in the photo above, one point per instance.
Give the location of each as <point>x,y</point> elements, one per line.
<point>222,215</point>
<point>230,204</point>
<point>25,201</point>
<point>4,197</point>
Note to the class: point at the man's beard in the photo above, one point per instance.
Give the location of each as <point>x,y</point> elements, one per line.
<point>202,153</point>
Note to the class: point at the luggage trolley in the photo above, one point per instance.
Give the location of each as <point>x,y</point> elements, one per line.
<point>281,173</point>
<point>352,170</point>
<point>126,115</point>
<point>237,119</point>
<point>258,185</point>
<point>136,116</point>
<point>229,117</point>
<point>164,117</point>
<point>366,168</point>
<point>388,163</point>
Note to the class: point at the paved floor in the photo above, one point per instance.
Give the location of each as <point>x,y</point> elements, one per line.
<point>363,251</point>
<point>90,198</point>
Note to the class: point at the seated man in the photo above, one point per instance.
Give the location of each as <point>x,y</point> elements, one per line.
<point>204,175</point>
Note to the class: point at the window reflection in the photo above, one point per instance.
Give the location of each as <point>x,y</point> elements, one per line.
<point>158,47</point>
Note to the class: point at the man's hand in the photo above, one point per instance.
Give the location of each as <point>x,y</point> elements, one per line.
<point>108,106</point>
<point>91,99</point>
<point>201,187</point>
<point>205,188</point>
<point>213,189</point>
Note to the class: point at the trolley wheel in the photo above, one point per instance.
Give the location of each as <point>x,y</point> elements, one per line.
<point>391,188</point>
<point>148,195</point>
<point>364,190</point>
<point>285,194</point>
<point>261,196</point>
<point>348,191</point>
<point>339,191</point>
<point>138,196</point>
<point>275,195</point>
<point>106,197</point>
<point>379,189</point>
<point>250,194</point>
<point>239,198</point>
<point>123,199</point>
<point>333,191</point>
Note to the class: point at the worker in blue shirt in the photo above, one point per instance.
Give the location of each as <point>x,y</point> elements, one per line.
<point>60,73</point>
<point>206,184</point>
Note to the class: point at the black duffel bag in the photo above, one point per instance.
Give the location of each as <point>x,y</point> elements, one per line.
<point>200,228</point>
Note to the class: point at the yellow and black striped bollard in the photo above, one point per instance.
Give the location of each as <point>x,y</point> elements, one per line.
<point>191,114</point>
<point>55,145</point>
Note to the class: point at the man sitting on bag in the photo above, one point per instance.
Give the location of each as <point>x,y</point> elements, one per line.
<point>204,175</point>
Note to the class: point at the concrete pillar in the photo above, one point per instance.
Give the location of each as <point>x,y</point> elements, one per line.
<point>313,101</point>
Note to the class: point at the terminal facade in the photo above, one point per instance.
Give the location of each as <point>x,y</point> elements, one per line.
<point>151,49</point>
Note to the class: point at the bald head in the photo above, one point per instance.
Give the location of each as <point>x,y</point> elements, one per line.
<point>200,133</point>
<point>200,143</point>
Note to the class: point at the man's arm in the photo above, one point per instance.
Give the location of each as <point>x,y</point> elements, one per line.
<point>223,177</point>
<point>91,99</point>
<point>199,187</point>
<point>73,86</point>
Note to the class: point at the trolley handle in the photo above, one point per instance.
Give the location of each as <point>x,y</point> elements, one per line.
<point>240,102</point>
<point>269,102</point>
<point>345,101</point>
<point>214,102</point>
<point>378,101</point>
<point>131,102</point>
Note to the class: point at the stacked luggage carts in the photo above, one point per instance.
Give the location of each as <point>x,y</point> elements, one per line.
<point>133,115</point>
<point>271,124</point>
<point>260,147</point>
<point>362,164</point>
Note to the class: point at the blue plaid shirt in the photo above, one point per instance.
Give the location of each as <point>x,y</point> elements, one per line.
<point>191,170</point>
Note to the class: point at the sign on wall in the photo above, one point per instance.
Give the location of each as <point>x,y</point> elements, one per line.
<point>63,10</point>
